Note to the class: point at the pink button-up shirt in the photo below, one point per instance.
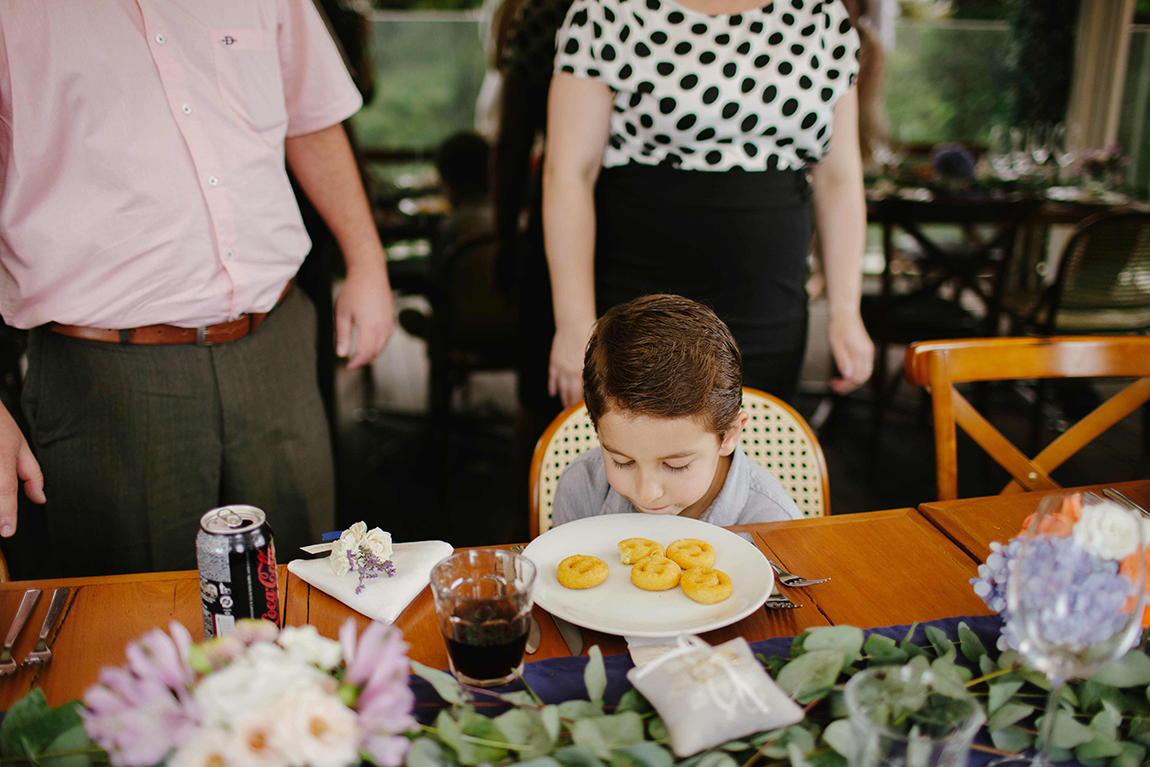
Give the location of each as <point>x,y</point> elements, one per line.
<point>142,174</point>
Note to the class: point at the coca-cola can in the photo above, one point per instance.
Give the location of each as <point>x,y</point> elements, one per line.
<point>237,562</point>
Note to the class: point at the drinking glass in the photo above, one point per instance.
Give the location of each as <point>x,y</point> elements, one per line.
<point>1038,143</point>
<point>1075,596</point>
<point>998,152</point>
<point>1062,147</point>
<point>900,718</point>
<point>1019,156</point>
<point>483,607</point>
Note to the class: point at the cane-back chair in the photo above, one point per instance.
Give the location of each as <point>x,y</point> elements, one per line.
<point>940,365</point>
<point>776,437</point>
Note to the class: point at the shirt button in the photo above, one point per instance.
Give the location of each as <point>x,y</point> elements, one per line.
<point>160,38</point>
<point>213,181</point>
<point>186,109</point>
<point>230,253</point>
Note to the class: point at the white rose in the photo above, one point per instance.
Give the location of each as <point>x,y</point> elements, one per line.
<point>378,543</point>
<point>304,643</point>
<point>356,531</point>
<point>340,562</point>
<point>253,741</point>
<point>208,747</point>
<point>1107,530</point>
<point>315,729</point>
<point>253,682</point>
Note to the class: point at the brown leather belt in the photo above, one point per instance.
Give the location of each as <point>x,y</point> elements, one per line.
<point>220,333</point>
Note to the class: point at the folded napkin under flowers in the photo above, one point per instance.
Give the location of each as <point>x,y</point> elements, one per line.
<point>382,598</point>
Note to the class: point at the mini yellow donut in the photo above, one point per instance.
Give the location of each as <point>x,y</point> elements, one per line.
<point>634,549</point>
<point>581,571</point>
<point>655,573</point>
<point>691,552</point>
<point>706,585</point>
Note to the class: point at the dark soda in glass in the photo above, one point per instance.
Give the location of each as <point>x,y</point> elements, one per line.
<point>487,641</point>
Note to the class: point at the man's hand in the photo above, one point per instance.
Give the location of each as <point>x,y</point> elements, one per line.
<point>15,454</point>
<point>852,349</point>
<point>364,305</point>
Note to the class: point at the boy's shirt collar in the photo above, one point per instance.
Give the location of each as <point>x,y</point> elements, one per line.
<point>732,499</point>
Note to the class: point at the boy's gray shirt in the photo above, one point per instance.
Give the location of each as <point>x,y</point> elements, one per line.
<point>750,494</point>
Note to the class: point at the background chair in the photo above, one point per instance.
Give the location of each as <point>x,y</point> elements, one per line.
<point>938,287</point>
<point>1101,285</point>
<point>472,326</point>
<point>940,365</point>
<point>775,436</point>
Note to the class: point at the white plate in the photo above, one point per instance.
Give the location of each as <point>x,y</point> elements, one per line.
<point>617,606</point>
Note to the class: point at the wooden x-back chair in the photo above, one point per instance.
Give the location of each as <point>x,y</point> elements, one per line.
<point>776,437</point>
<point>939,365</point>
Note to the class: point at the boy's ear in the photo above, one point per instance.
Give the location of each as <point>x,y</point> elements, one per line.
<point>731,437</point>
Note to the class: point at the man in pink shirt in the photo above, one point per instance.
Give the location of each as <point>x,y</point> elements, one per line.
<point>148,237</point>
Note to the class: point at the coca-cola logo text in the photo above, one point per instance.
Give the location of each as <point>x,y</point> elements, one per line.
<point>266,573</point>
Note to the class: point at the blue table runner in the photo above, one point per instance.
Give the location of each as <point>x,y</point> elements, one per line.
<point>558,679</point>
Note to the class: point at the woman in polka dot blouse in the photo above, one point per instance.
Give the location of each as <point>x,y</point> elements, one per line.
<point>690,151</point>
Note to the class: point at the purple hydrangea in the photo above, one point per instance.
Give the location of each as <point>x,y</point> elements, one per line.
<point>1073,598</point>
<point>1070,597</point>
<point>995,574</point>
<point>953,161</point>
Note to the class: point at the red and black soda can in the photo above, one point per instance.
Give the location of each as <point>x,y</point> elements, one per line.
<point>237,561</point>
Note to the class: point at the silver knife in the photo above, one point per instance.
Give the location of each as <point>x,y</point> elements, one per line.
<point>572,635</point>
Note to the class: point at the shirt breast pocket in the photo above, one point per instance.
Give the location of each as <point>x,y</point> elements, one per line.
<point>250,78</point>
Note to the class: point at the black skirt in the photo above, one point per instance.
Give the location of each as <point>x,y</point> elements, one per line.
<point>736,241</point>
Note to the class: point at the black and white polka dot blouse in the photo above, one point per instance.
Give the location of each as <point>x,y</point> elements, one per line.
<point>754,90</point>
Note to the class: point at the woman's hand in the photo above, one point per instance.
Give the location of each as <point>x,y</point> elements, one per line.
<point>852,349</point>
<point>565,372</point>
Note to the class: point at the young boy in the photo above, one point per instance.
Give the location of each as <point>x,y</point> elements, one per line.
<point>662,379</point>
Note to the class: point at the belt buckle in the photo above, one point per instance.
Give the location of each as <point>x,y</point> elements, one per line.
<point>202,336</point>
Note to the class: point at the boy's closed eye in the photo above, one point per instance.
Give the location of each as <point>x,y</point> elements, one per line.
<point>667,466</point>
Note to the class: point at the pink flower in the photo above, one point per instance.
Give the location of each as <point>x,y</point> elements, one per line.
<point>378,663</point>
<point>140,712</point>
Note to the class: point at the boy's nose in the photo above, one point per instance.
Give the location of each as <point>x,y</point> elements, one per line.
<point>649,490</point>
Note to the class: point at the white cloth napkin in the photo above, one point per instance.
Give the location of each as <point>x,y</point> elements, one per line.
<point>382,598</point>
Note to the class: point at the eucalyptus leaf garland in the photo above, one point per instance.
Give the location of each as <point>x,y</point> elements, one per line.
<point>1103,721</point>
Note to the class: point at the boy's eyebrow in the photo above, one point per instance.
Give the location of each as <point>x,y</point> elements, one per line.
<point>673,456</point>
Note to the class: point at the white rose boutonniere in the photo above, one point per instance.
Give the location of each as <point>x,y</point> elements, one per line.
<point>367,552</point>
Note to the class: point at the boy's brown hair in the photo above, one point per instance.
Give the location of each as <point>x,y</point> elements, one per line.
<point>664,356</point>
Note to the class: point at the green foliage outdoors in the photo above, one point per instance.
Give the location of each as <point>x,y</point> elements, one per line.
<point>427,76</point>
<point>947,83</point>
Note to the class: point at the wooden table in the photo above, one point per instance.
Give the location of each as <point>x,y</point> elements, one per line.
<point>887,567</point>
<point>973,523</point>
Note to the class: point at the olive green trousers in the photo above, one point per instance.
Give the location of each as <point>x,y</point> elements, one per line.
<point>137,442</point>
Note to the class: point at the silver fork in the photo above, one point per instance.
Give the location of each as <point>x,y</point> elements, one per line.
<point>794,581</point>
<point>1114,495</point>
<point>41,652</point>
<point>776,601</point>
<point>31,596</point>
